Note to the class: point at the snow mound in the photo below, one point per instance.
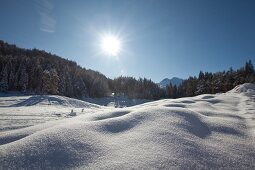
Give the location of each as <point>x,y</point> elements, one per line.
<point>202,132</point>
<point>244,88</point>
<point>37,100</point>
<point>19,111</point>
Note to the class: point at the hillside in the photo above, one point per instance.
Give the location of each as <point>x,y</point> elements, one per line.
<point>36,71</point>
<point>206,131</point>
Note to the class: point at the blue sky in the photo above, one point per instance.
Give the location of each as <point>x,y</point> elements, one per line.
<point>160,38</point>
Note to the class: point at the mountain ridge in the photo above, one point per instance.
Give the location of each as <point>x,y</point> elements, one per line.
<point>174,81</point>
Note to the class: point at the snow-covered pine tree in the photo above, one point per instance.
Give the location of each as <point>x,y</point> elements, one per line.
<point>54,81</point>
<point>62,84</point>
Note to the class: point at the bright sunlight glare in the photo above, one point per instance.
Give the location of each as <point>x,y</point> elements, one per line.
<point>111,45</point>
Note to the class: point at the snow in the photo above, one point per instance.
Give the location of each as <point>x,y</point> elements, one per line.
<point>116,101</point>
<point>248,88</point>
<point>202,132</point>
<point>17,111</point>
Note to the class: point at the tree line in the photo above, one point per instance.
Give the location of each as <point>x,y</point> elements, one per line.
<point>36,71</point>
<point>39,72</point>
<point>211,83</point>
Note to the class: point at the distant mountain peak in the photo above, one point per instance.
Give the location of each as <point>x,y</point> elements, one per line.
<point>166,81</point>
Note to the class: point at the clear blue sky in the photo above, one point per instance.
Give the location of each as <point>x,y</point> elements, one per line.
<point>161,38</point>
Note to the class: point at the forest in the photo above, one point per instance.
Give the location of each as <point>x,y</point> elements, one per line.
<point>38,72</point>
<point>212,83</point>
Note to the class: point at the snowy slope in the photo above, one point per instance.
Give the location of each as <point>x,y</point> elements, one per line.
<point>202,132</point>
<point>175,81</point>
<point>23,100</point>
<point>17,111</point>
<point>246,88</point>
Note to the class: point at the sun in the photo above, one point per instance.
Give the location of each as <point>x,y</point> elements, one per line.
<point>111,45</point>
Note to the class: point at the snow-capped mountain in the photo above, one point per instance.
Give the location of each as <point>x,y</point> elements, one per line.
<point>175,81</point>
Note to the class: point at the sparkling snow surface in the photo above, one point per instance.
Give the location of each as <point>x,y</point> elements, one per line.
<point>202,132</point>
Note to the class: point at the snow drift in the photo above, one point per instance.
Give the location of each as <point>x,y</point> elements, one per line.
<point>17,111</point>
<point>206,131</point>
<point>247,88</point>
<point>18,101</point>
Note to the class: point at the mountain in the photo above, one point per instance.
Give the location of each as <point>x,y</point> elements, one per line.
<point>175,81</point>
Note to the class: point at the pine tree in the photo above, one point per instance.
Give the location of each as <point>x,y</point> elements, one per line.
<point>169,90</point>
<point>248,68</point>
<point>46,80</point>
<point>11,71</point>
<point>23,81</point>
<point>16,79</point>
<point>11,81</point>
<point>99,88</point>
<point>4,80</point>
<point>62,83</point>
<point>54,82</point>
<point>249,71</point>
<point>80,87</point>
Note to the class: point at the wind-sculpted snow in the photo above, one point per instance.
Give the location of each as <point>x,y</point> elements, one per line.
<point>11,101</point>
<point>19,111</point>
<point>202,132</point>
<point>247,88</point>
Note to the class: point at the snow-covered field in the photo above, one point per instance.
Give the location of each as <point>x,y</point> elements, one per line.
<point>202,132</point>
<point>17,111</point>
<point>117,101</point>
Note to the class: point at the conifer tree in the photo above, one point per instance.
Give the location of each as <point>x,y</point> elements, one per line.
<point>46,80</point>
<point>23,81</point>
<point>4,80</point>
<point>54,82</point>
